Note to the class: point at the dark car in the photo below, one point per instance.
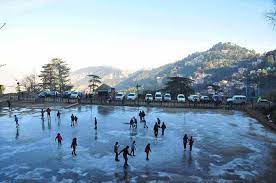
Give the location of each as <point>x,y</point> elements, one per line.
<point>43,94</point>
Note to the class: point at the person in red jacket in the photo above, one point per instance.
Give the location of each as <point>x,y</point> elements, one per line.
<point>58,138</point>
<point>147,150</point>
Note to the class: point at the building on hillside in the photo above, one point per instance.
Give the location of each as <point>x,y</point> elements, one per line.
<point>105,90</point>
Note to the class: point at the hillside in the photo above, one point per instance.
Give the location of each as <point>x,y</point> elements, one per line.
<point>219,62</point>
<point>111,76</point>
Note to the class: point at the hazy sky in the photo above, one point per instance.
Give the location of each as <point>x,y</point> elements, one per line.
<point>129,34</point>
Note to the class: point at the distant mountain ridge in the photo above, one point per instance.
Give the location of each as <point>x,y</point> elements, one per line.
<point>221,55</point>
<point>111,76</point>
<point>220,62</point>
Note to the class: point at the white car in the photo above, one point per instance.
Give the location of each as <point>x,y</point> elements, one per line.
<point>74,95</point>
<point>149,97</point>
<point>193,98</point>
<point>264,101</point>
<point>132,96</point>
<point>204,99</point>
<point>180,98</point>
<point>158,96</point>
<point>237,99</point>
<point>120,96</point>
<point>167,97</point>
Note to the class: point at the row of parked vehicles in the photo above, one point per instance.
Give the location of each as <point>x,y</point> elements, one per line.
<point>66,94</point>
<point>159,97</point>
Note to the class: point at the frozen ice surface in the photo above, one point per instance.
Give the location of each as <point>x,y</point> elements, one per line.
<point>229,146</point>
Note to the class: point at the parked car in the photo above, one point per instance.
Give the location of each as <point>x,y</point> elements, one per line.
<point>66,94</point>
<point>120,96</point>
<point>217,98</point>
<point>237,99</point>
<point>158,96</point>
<point>205,99</point>
<point>193,98</point>
<point>43,94</point>
<point>54,94</point>
<point>132,96</point>
<point>148,97</point>
<point>180,98</point>
<point>264,101</point>
<point>74,95</point>
<point>167,97</point>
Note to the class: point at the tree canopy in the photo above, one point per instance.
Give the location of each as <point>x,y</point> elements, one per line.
<point>271,15</point>
<point>179,85</point>
<point>94,82</point>
<point>55,76</point>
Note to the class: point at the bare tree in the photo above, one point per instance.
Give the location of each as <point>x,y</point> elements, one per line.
<point>271,15</point>
<point>30,83</point>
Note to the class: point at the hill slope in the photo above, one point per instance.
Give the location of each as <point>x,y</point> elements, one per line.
<point>218,62</point>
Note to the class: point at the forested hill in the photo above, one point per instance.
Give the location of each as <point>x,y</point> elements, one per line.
<point>219,62</point>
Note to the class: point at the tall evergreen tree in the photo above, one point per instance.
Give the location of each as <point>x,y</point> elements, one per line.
<point>55,76</point>
<point>177,85</point>
<point>94,82</point>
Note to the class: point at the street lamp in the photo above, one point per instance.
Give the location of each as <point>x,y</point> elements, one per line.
<point>137,89</point>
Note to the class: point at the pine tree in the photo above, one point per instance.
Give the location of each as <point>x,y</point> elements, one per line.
<point>179,85</point>
<point>55,76</point>
<point>94,82</point>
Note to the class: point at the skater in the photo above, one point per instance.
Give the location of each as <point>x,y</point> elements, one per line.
<point>143,115</point>
<point>96,124</point>
<point>16,121</point>
<point>76,120</point>
<point>131,123</point>
<point>48,110</point>
<point>42,113</point>
<point>58,115</point>
<point>72,120</point>
<point>163,127</point>
<point>134,122</point>
<point>133,148</point>
<point>73,146</point>
<point>125,154</point>
<point>155,129</point>
<point>58,138</point>
<point>185,141</point>
<point>9,104</point>
<point>147,150</point>
<point>191,142</point>
<point>116,151</point>
<point>140,115</point>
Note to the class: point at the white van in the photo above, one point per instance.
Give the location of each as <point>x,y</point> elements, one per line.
<point>120,96</point>
<point>148,97</point>
<point>158,96</point>
<point>237,99</point>
<point>132,96</point>
<point>167,97</point>
<point>181,98</point>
